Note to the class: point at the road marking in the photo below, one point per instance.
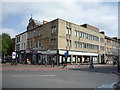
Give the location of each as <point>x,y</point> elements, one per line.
<point>32,75</point>
<point>98,73</point>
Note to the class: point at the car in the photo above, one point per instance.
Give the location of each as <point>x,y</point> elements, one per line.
<point>111,86</point>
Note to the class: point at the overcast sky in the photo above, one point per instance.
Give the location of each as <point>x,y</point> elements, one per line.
<point>103,15</point>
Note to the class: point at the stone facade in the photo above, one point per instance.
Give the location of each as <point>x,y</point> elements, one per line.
<point>53,39</point>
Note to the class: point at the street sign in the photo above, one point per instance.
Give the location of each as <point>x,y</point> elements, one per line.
<point>66,53</point>
<point>13,55</point>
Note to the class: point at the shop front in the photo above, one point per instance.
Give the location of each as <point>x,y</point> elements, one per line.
<point>75,57</point>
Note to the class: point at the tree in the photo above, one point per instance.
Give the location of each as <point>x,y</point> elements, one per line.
<point>6,43</point>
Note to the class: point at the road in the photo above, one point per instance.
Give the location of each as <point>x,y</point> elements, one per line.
<point>68,78</point>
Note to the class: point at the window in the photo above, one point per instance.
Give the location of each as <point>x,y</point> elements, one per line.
<point>67,30</point>
<point>31,44</point>
<point>70,43</point>
<point>36,44</point>
<point>80,34</point>
<point>70,31</point>
<point>101,40</point>
<point>28,45</point>
<point>101,48</point>
<point>92,37</point>
<point>75,44</point>
<point>84,45</point>
<point>75,33</point>
<point>34,34</point>
<point>67,42</point>
<point>84,35</point>
<point>53,29</point>
<point>78,44</point>
<point>24,46</point>
<point>53,42</point>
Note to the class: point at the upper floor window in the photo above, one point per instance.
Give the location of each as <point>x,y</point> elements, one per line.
<point>53,41</point>
<point>70,43</point>
<point>28,45</point>
<point>101,40</point>
<point>53,29</point>
<point>70,31</point>
<point>67,42</point>
<point>67,30</point>
<point>75,33</point>
<point>75,44</point>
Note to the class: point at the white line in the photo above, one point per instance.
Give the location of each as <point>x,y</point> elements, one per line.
<point>31,75</point>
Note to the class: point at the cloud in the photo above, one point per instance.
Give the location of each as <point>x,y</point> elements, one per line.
<point>99,14</point>
<point>11,32</point>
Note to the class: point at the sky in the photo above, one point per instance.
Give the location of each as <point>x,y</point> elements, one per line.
<point>103,15</point>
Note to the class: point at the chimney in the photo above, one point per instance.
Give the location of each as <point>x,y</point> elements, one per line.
<point>102,32</point>
<point>44,22</point>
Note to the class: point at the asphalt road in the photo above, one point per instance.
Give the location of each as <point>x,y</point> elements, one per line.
<point>55,79</point>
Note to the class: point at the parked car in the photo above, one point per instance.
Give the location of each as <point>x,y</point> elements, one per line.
<point>111,86</point>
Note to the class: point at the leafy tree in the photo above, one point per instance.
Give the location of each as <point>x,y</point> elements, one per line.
<point>6,43</point>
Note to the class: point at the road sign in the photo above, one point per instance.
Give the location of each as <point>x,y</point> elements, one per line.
<point>66,53</point>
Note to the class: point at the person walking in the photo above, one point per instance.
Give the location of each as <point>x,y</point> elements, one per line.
<point>91,64</point>
<point>52,62</point>
<point>45,60</point>
<point>78,64</point>
<point>28,61</point>
<point>64,65</point>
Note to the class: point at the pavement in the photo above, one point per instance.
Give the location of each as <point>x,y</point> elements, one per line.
<point>104,68</point>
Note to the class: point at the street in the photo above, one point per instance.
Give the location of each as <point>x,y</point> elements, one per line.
<point>23,76</point>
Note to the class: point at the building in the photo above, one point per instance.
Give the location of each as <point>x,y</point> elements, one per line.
<point>21,45</point>
<point>111,48</point>
<point>52,40</point>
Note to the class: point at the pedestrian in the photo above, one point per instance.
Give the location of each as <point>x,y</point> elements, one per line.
<point>16,62</point>
<point>28,61</point>
<point>91,64</point>
<point>79,64</point>
<point>52,62</point>
<point>45,60</point>
<point>12,62</point>
<point>64,65</point>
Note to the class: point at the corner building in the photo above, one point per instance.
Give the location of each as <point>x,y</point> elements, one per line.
<point>53,39</point>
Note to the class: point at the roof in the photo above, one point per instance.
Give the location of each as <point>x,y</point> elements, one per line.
<point>38,23</point>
